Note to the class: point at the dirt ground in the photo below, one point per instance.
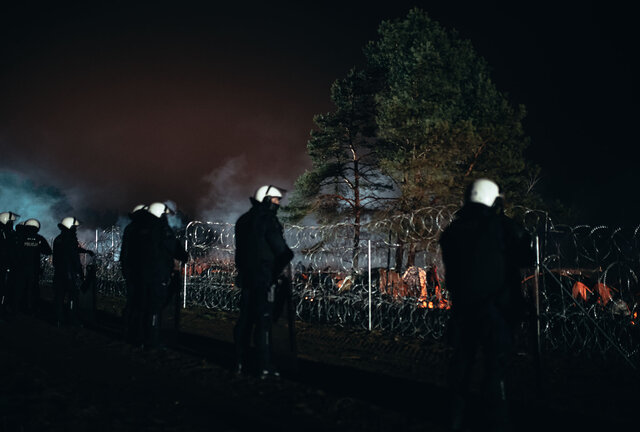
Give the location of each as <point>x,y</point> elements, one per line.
<point>88,379</point>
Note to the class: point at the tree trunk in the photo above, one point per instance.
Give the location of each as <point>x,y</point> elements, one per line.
<point>411,255</point>
<point>356,243</point>
<point>357,215</point>
<point>399,256</point>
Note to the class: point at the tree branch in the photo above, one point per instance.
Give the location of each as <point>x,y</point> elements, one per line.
<point>475,158</point>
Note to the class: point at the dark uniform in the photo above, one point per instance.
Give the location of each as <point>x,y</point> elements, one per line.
<point>483,252</point>
<point>68,273</point>
<point>158,248</point>
<point>261,255</point>
<point>30,247</point>
<point>7,259</point>
<point>131,266</point>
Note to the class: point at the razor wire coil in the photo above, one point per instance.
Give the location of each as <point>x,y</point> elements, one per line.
<point>596,257</point>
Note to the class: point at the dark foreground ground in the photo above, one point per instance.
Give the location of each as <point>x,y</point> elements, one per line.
<point>88,379</point>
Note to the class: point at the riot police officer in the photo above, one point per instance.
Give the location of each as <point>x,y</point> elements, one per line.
<point>30,247</point>
<point>68,273</point>
<point>261,255</point>
<point>482,250</point>
<point>158,249</point>
<point>7,256</point>
<point>130,264</point>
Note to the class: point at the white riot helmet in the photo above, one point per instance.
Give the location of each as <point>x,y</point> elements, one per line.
<point>8,217</point>
<point>484,191</point>
<point>139,207</point>
<point>70,222</point>
<point>158,209</point>
<point>267,191</point>
<point>32,222</point>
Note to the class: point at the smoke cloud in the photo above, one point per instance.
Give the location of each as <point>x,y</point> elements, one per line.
<point>25,197</point>
<point>227,198</point>
<point>230,187</point>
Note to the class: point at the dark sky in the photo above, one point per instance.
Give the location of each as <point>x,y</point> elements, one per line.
<point>114,104</point>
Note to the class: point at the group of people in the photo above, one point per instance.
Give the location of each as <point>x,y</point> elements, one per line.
<point>21,250</point>
<point>148,257</point>
<point>482,249</point>
<point>483,252</point>
<point>150,250</point>
<point>148,254</point>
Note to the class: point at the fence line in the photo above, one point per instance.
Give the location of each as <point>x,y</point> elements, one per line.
<point>593,267</point>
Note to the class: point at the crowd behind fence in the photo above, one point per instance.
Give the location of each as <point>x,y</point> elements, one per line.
<point>587,289</point>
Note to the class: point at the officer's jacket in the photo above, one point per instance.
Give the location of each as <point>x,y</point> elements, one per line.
<point>66,255</point>
<point>483,253</point>
<point>474,256</point>
<point>261,251</point>
<point>30,246</point>
<point>7,246</point>
<point>153,251</point>
<point>132,249</point>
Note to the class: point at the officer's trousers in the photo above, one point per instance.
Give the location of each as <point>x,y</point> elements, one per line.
<point>485,331</point>
<point>256,315</point>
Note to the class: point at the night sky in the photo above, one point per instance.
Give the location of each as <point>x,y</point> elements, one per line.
<point>112,104</point>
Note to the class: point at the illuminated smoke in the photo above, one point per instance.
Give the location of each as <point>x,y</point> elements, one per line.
<point>227,198</point>
<point>177,220</point>
<point>21,195</point>
<point>230,187</point>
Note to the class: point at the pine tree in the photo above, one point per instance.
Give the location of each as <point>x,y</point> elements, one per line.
<point>440,119</point>
<point>419,121</point>
<point>344,182</point>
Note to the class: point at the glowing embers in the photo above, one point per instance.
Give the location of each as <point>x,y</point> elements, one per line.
<point>415,282</point>
<point>438,301</point>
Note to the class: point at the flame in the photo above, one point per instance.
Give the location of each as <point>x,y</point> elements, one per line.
<point>604,293</point>
<point>439,301</point>
<point>580,290</point>
<point>344,284</point>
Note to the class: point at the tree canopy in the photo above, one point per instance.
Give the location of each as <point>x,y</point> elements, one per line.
<point>345,179</point>
<point>417,122</point>
<point>440,119</point>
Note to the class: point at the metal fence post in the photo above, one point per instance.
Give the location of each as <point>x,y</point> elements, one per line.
<point>369,256</point>
<point>184,286</point>
<point>186,248</point>
<point>536,299</point>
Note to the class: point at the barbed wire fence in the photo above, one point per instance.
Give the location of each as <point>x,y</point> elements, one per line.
<point>587,289</point>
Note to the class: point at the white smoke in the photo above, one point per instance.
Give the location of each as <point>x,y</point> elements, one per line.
<point>228,198</point>
<point>19,194</point>
<point>230,187</point>
<point>176,219</point>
